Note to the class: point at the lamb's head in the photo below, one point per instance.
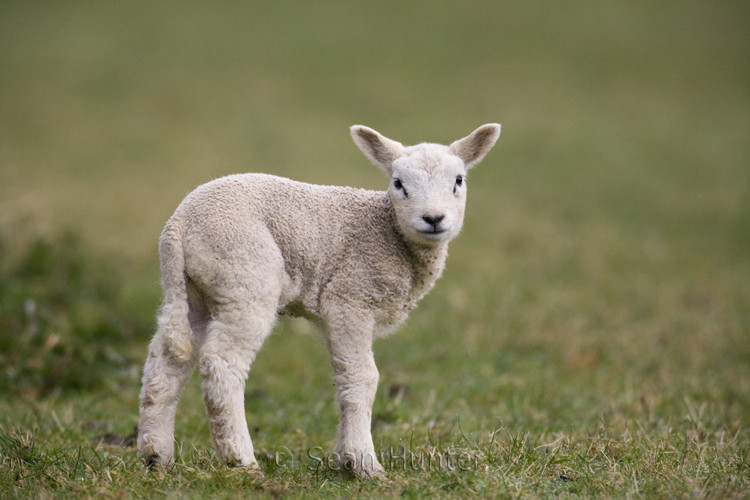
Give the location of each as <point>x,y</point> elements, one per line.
<point>428,181</point>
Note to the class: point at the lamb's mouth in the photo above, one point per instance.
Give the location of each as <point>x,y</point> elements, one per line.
<point>433,234</point>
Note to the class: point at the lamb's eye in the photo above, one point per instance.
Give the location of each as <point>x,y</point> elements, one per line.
<point>459,183</point>
<point>397,184</point>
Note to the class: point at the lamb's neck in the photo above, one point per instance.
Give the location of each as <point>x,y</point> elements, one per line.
<point>426,262</point>
<point>427,266</point>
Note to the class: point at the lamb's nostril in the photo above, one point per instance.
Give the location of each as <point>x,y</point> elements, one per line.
<point>433,220</point>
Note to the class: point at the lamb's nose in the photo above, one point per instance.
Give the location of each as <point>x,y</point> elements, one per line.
<point>433,220</point>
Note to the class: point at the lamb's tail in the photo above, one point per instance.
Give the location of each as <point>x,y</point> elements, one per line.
<point>174,325</point>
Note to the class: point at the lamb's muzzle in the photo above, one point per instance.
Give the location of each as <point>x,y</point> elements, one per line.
<point>243,249</point>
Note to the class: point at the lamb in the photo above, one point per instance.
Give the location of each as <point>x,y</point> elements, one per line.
<point>242,249</point>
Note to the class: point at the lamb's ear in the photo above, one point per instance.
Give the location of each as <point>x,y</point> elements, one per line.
<point>380,150</point>
<point>471,149</point>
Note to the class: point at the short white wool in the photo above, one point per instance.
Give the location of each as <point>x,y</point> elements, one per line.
<point>242,249</point>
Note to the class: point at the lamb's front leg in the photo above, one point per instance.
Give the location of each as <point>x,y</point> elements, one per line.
<point>356,378</point>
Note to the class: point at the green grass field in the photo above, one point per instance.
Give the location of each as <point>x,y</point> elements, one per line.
<point>591,334</point>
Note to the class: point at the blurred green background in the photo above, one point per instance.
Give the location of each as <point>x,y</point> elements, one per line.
<point>632,114</point>
<point>601,284</point>
<point>606,249</point>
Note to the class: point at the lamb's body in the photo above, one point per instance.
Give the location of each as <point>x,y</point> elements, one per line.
<point>242,249</point>
<point>319,246</point>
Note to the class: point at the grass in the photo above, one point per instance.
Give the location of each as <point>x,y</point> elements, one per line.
<point>591,334</point>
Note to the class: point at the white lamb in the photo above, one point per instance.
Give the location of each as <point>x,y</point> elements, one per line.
<point>242,249</point>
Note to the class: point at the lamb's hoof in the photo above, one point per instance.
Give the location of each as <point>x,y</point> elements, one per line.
<point>154,463</point>
<point>250,468</point>
<point>253,471</point>
<point>361,469</point>
<point>371,474</point>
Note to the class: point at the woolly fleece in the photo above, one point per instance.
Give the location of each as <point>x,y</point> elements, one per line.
<point>242,249</point>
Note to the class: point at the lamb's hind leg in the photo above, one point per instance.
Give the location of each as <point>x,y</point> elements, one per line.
<point>232,341</point>
<point>164,377</point>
